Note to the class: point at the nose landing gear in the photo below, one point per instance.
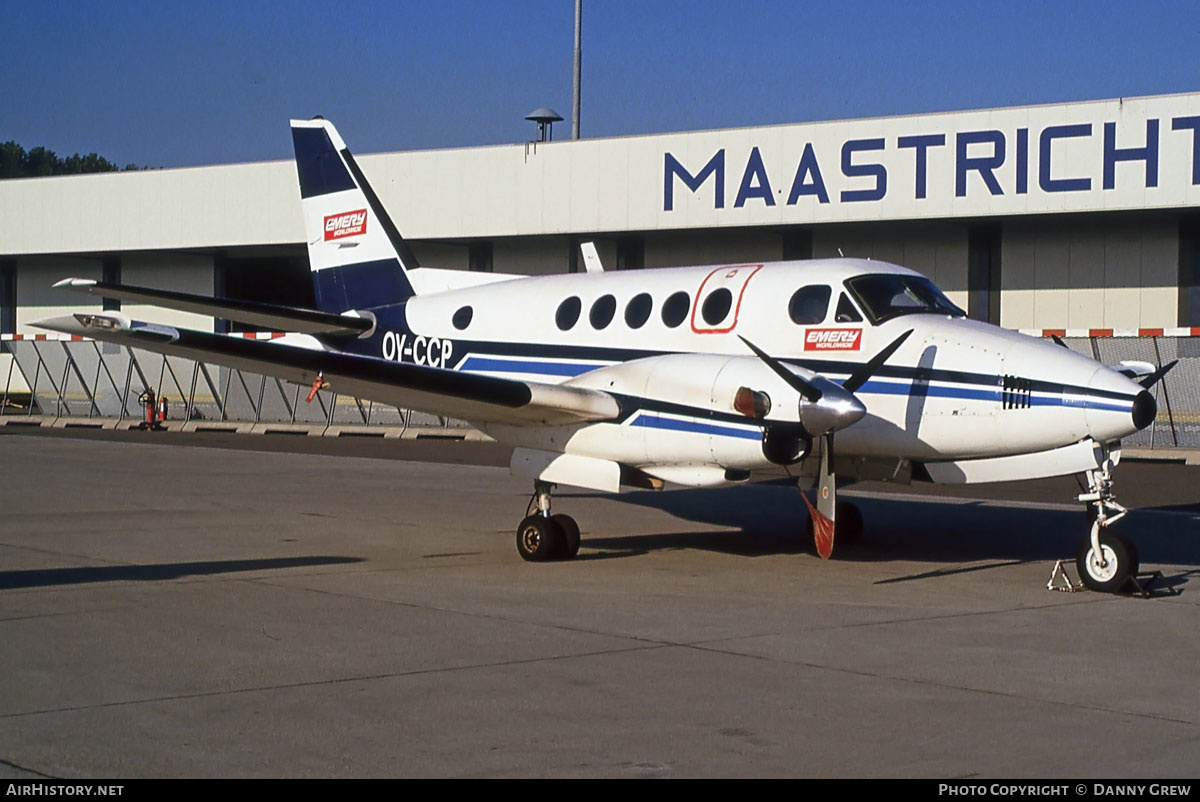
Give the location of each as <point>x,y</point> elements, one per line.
<point>1106,560</point>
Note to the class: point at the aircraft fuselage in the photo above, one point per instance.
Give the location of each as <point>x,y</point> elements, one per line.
<point>957,388</point>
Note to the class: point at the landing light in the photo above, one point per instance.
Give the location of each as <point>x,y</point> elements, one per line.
<point>90,321</point>
<point>752,403</point>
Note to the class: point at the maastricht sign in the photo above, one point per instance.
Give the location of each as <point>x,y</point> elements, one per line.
<point>1142,153</point>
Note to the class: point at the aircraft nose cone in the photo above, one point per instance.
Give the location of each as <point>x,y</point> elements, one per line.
<point>1117,406</point>
<point>1144,409</point>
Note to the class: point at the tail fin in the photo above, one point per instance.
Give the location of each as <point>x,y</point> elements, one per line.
<point>357,256</point>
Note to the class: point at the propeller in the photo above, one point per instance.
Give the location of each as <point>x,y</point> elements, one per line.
<point>831,407</point>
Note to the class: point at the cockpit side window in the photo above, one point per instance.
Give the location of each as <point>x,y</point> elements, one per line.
<point>884,296</point>
<point>809,305</point>
<point>846,313</point>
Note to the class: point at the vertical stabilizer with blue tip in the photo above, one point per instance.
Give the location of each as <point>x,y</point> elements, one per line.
<point>358,259</point>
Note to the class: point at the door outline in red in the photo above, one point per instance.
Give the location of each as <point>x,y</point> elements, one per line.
<point>737,307</point>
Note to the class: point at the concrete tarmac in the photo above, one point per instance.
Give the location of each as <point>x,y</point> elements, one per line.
<point>262,610</point>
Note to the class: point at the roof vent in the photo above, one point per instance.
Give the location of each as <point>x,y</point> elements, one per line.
<point>545,119</point>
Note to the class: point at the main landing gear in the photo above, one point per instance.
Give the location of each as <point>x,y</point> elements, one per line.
<point>1106,560</point>
<point>542,536</point>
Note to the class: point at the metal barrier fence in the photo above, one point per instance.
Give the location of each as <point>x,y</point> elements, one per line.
<point>74,378</point>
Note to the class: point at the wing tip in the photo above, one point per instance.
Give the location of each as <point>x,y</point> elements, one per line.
<point>76,283</point>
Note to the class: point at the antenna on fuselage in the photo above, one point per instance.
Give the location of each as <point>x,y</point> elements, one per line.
<point>841,254</point>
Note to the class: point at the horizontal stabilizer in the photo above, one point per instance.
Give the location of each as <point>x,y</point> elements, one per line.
<point>268,316</point>
<point>1134,369</point>
<point>473,397</point>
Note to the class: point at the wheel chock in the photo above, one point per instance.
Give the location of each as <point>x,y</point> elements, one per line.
<point>1144,583</point>
<point>1061,581</point>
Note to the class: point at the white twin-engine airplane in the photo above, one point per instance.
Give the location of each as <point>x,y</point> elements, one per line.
<point>697,376</point>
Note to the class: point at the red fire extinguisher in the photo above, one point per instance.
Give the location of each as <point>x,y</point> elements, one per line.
<point>152,407</point>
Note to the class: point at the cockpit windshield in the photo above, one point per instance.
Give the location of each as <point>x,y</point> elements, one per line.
<point>887,295</point>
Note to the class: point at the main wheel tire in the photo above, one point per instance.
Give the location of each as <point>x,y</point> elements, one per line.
<point>570,531</point>
<point>1120,562</point>
<point>848,523</point>
<point>539,539</point>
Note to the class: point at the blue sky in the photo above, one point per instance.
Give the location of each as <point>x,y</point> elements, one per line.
<point>185,83</point>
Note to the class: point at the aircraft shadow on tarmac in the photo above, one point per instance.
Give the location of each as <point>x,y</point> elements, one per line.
<point>771,520</point>
<point>47,577</point>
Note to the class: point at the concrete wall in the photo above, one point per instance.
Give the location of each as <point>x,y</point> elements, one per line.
<point>218,206</point>
<point>1120,272</point>
<point>538,256</point>
<point>181,272</point>
<point>989,162</point>
<point>445,256</point>
<point>679,248</point>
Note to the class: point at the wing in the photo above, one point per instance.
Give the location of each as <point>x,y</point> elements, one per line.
<point>443,392</point>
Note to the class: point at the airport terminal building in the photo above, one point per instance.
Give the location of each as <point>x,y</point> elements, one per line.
<point>1070,217</point>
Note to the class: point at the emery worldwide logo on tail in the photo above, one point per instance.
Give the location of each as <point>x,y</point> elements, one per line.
<point>832,339</point>
<point>345,224</point>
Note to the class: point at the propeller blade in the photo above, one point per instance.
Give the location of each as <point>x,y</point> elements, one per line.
<point>823,528</point>
<point>807,389</point>
<point>1153,378</point>
<point>859,377</point>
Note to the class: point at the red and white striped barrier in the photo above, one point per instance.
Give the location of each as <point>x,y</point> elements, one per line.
<point>8,338</point>
<point>1175,331</point>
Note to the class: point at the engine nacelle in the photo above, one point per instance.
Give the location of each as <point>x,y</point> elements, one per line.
<point>730,411</point>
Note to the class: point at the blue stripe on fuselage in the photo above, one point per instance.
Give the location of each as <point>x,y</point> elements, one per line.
<point>487,365</point>
<point>481,364</point>
<point>697,427</point>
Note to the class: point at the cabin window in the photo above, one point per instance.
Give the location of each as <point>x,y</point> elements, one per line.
<point>568,313</point>
<point>602,311</point>
<point>675,310</point>
<point>809,305</point>
<point>637,311</point>
<point>716,306</point>
<point>462,318</point>
<point>846,313</point>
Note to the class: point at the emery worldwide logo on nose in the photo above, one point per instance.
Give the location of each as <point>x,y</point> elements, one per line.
<point>345,224</point>
<point>832,339</point>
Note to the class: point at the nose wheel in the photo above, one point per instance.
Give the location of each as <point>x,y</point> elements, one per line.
<point>1110,567</point>
<point>542,536</point>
